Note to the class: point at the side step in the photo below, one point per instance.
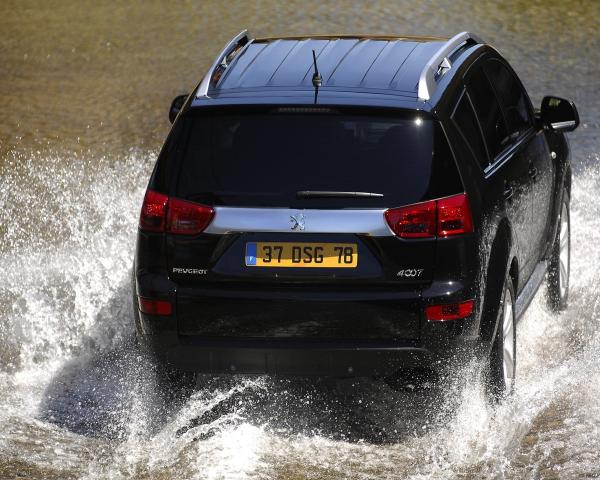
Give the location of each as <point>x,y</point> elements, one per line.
<point>530,289</point>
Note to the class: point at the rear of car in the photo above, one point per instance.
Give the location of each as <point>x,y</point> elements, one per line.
<point>310,240</point>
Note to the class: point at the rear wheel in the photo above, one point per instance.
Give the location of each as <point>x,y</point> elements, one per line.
<point>503,357</point>
<point>560,261</point>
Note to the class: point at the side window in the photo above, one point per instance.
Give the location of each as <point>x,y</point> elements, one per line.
<point>465,120</point>
<point>488,111</point>
<point>512,97</point>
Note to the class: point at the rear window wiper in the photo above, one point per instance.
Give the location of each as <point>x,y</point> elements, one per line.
<point>333,194</point>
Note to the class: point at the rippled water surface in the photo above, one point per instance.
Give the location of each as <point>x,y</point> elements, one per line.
<point>84,89</point>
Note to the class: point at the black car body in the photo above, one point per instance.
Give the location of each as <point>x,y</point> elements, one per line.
<point>359,213</point>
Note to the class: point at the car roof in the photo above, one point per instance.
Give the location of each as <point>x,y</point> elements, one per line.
<point>355,69</point>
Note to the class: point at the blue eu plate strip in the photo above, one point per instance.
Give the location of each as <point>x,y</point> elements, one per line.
<point>251,254</point>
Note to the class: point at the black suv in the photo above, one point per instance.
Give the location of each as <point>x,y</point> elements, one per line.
<point>353,205</point>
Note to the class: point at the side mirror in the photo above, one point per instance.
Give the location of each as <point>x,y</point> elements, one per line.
<point>176,105</point>
<point>559,114</point>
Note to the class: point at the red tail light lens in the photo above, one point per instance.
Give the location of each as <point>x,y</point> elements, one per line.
<point>187,217</point>
<point>172,215</point>
<point>155,307</point>
<point>442,217</point>
<point>413,221</point>
<point>450,311</point>
<point>154,209</point>
<point>454,216</point>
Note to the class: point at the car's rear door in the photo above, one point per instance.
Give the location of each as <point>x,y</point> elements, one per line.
<point>507,179</point>
<point>518,113</point>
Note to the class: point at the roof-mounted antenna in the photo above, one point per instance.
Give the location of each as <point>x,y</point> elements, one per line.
<point>317,79</point>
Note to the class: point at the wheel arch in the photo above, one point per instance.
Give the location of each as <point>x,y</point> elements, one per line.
<point>502,260</point>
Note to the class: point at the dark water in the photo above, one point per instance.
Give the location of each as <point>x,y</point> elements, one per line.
<point>84,90</point>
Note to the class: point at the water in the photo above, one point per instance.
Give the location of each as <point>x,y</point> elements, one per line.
<point>85,90</point>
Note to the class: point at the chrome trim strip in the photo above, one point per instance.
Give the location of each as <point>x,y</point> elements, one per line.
<point>568,123</point>
<point>205,84</point>
<point>505,155</point>
<point>427,80</point>
<point>240,219</point>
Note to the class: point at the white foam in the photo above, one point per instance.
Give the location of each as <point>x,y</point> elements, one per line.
<point>68,228</point>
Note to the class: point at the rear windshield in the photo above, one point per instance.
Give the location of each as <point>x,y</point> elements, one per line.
<point>266,159</point>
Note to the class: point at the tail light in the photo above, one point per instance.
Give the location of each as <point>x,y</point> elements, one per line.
<point>450,311</point>
<point>154,210</point>
<point>155,307</point>
<point>187,217</point>
<point>443,217</point>
<point>173,215</point>
<point>454,216</point>
<point>413,221</point>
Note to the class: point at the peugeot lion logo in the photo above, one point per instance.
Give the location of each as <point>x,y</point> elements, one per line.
<point>297,222</point>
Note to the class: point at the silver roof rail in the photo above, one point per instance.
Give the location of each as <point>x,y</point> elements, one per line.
<point>440,64</point>
<point>222,61</point>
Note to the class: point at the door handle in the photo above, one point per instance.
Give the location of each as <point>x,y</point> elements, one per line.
<point>508,192</point>
<point>533,172</point>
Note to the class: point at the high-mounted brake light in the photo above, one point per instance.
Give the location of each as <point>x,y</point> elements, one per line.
<point>173,215</point>
<point>155,307</point>
<point>450,311</point>
<point>442,217</point>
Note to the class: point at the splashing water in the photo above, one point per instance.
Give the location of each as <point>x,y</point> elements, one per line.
<point>78,400</point>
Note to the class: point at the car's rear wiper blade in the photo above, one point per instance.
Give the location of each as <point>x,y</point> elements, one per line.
<point>333,194</point>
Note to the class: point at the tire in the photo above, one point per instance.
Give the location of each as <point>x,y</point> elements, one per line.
<point>502,365</point>
<point>560,261</point>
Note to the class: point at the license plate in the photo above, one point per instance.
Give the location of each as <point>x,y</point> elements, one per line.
<point>301,255</point>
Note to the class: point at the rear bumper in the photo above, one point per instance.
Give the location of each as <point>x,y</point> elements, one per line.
<point>308,332</point>
<point>336,359</point>
<point>304,315</point>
